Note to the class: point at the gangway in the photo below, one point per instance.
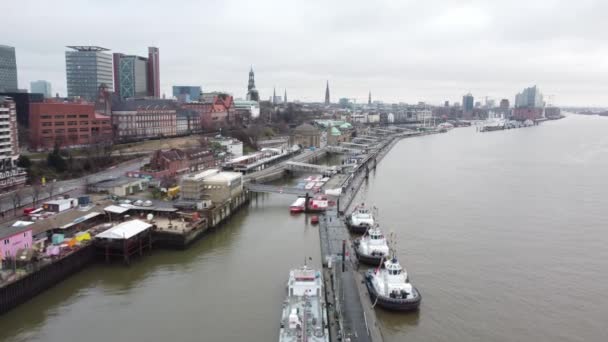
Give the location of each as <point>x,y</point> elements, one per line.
<point>274,189</point>
<point>305,167</point>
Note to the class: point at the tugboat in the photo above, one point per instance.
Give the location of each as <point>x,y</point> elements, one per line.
<point>360,220</point>
<point>390,287</point>
<point>372,247</point>
<point>304,316</point>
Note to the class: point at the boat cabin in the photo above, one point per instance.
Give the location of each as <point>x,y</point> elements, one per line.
<point>304,282</point>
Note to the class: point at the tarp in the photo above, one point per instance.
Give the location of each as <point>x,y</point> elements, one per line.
<point>125,230</point>
<point>57,239</point>
<point>83,236</point>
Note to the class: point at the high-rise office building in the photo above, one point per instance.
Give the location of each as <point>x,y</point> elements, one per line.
<point>504,104</point>
<point>130,76</point>
<point>153,72</point>
<point>8,68</point>
<point>468,103</point>
<point>10,175</point>
<point>136,76</point>
<point>87,67</point>
<point>41,87</point>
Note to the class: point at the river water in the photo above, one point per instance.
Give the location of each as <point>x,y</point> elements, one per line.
<point>504,234</point>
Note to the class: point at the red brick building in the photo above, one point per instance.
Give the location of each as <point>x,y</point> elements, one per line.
<point>68,124</point>
<point>527,113</point>
<point>140,119</point>
<point>215,110</point>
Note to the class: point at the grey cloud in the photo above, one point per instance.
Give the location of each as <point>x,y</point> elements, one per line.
<point>401,50</point>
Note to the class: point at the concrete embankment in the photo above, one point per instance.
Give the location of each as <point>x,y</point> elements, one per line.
<point>44,277</point>
<point>351,313</point>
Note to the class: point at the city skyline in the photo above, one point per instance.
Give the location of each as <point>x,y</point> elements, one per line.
<point>428,52</point>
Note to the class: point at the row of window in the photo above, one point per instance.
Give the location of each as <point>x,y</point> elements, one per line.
<point>62,116</point>
<point>74,123</point>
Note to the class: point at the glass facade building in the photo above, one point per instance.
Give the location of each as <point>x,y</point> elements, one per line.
<point>187,93</point>
<point>8,68</point>
<point>87,67</point>
<point>132,76</point>
<point>41,87</point>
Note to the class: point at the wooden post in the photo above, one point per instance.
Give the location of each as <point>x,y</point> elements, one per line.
<point>343,254</point>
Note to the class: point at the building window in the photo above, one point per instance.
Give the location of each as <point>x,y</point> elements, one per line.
<point>72,123</point>
<point>45,116</point>
<point>6,242</point>
<point>61,116</point>
<point>84,123</point>
<point>83,116</point>
<point>61,123</point>
<point>72,116</point>
<point>45,124</point>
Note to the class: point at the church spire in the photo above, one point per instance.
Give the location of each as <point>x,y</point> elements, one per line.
<point>369,99</point>
<point>285,97</point>
<point>252,93</point>
<point>327,101</point>
<point>274,96</point>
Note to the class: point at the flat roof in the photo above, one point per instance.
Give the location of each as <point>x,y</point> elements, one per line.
<point>80,219</point>
<point>224,177</point>
<point>115,209</point>
<point>12,230</point>
<point>201,175</point>
<point>125,230</point>
<point>67,216</point>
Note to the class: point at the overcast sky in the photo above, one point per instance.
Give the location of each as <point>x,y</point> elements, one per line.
<point>403,51</point>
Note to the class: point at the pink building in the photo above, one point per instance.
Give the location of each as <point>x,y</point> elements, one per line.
<point>13,239</point>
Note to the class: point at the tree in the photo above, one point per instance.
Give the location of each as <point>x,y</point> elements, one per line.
<point>16,199</point>
<point>36,189</point>
<point>51,188</point>
<point>56,161</point>
<point>24,162</point>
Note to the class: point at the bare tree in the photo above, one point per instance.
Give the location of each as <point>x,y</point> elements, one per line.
<point>36,189</point>
<point>16,199</point>
<point>50,186</point>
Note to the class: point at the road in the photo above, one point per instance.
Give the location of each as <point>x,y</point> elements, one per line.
<point>72,186</point>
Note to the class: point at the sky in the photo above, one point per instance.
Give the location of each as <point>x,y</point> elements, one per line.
<point>400,50</point>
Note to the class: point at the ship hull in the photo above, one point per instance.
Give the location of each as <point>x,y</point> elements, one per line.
<point>371,260</point>
<point>392,304</point>
<point>356,229</point>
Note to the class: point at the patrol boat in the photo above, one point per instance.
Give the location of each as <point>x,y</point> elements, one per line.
<point>304,316</point>
<point>390,287</point>
<point>360,220</point>
<point>372,247</point>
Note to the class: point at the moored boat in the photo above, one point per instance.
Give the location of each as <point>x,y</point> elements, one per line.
<point>390,288</point>
<point>360,220</point>
<point>372,247</point>
<point>297,206</point>
<point>304,316</point>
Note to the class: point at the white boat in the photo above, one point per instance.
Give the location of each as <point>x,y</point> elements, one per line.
<point>372,248</point>
<point>360,219</point>
<point>390,287</point>
<point>304,316</point>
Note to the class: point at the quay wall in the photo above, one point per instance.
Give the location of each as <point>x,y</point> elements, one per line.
<point>215,217</point>
<point>45,277</point>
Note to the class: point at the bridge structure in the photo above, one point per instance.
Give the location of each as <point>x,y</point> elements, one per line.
<point>276,189</point>
<point>363,139</point>
<point>355,145</point>
<point>342,149</point>
<point>370,137</point>
<point>305,167</point>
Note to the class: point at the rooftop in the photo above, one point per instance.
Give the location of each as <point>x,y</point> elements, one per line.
<point>200,175</point>
<point>87,48</point>
<point>66,217</point>
<point>224,177</point>
<point>125,230</point>
<point>12,230</point>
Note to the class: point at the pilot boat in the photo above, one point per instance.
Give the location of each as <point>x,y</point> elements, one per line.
<point>304,316</point>
<point>360,219</point>
<point>390,287</point>
<point>372,248</point>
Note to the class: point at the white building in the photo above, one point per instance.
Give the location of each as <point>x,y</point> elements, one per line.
<point>213,185</point>
<point>253,107</point>
<point>373,118</point>
<point>233,146</point>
